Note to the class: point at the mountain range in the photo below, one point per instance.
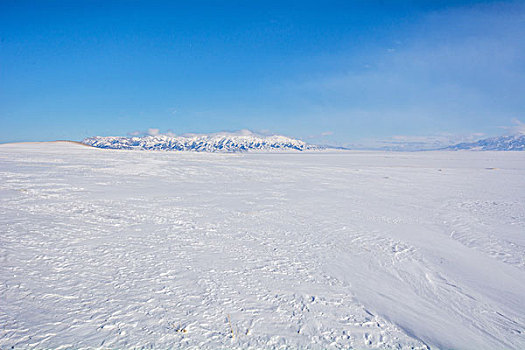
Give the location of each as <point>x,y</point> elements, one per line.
<point>499,143</point>
<point>219,142</point>
<point>244,141</point>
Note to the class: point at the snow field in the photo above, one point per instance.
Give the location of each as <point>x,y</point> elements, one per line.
<point>113,248</point>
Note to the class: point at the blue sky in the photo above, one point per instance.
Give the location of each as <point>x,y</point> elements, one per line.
<point>336,72</point>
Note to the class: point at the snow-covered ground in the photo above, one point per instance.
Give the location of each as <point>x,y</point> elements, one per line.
<point>132,249</point>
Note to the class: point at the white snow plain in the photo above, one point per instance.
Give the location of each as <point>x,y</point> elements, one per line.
<point>138,249</point>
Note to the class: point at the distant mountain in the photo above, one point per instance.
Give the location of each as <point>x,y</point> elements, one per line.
<point>500,143</point>
<point>220,142</point>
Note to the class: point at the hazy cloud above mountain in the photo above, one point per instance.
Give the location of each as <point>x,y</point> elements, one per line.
<point>518,127</point>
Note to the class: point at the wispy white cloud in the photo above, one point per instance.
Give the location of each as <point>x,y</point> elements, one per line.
<point>148,132</point>
<point>416,142</point>
<point>432,141</point>
<point>153,132</point>
<point>320,137</point>
<point>517,127</point>
<point>461,69</point>
<point>242,132</point>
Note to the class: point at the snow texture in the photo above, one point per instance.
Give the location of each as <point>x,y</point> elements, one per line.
<point>219,142</point>
<point>321,250</point>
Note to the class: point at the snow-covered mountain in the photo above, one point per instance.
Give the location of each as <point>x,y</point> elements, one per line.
<point>499,143</point>
<point>219,142</point>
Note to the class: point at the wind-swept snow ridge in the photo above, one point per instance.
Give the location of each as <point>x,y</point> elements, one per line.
<point>202,143</point>
<point>312,250</point>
